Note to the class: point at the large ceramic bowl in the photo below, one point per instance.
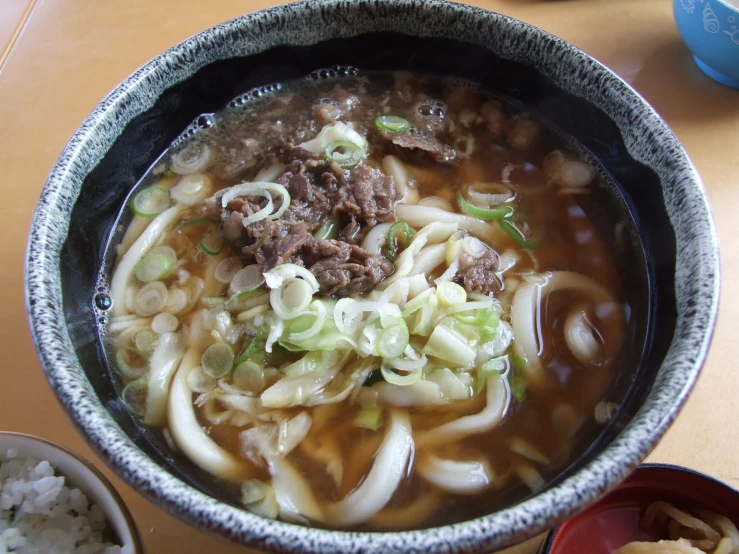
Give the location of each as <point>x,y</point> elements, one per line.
<point>672,261</point>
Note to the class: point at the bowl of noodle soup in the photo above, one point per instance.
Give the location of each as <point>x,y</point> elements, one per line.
<point>307,277</point>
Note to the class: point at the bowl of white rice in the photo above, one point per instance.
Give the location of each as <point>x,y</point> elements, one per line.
<point>54,502</point>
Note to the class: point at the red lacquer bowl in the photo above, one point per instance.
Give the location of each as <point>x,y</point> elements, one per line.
<point>614,521</point>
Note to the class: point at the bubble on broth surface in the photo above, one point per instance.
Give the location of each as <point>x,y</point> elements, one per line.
<point>337,71</point>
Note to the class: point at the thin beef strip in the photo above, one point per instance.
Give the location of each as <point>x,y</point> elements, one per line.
<point>480,274</point>
<point>421,144</point>
<point>279,242</point>
<point>343,269</point>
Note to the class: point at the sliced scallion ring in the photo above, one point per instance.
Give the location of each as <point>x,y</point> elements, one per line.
<point>329,230</point>
<point>345,153</point>
<point>393,340</point>
<point>124,367</point>
<point>198,221</point>
<point>247,279</point>
<point>166,251</point>
<point>485,213</point>
<point>212,242</point>
<point>151,201</point>
<point>227,269</point>
<point>246,352</point>
<point>217,360</point>
<point>399,233</point>
<point>516,234</point>
<point>144,340</point>
<point>150,299</point>
<point>408,378</point>
<point>134,396</point>
<point>152,267</point>
<point>392,124</point>
<point>249,376</point>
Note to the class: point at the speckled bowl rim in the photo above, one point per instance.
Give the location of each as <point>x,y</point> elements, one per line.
<point>649,140</point>
<point>137,545</point>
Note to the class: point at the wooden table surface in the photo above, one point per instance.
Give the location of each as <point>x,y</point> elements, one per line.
<point>65,55</point>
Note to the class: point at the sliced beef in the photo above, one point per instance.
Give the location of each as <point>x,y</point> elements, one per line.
<point>287,152</point>
<point>480,274</point>
<point>319,191</point>
<point>375,194</point>
<point>279,242</point>
<point>419,143</point>
<point>370,198</point>
<point>343,269</point>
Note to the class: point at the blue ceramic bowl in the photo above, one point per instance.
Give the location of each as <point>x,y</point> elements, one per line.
<point>672,255</point>
<point>710,28</point>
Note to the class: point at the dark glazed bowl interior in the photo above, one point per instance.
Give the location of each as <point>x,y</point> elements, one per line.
<point>658,190</point>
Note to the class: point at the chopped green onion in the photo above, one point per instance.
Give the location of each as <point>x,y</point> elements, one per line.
<point>491,367</point>
<point>227,269</point>
<point>198,221</point>
<point>392,341</point>
<point>369,418</point>
<point>211,301</point>
<point>151,201</point>
<point>150,299</point>
<point>406,378</point>
<point>393,240</point>
<point>516,234</point>
<point>124,367</point>
<point>249,376</point>
<point>247,279</point>
<point>246,353</point>
<point>345,153</point>
<point>236,302</point>
<point>166,251</point>
<point>144,340</point>
<point>392,124</point>
<point>329,230</point>
<point>134,396</point>
<point>152,267</point>
<point>484,213</point>
<point>516,379</point>
<point>212,242</point>
<point>217,360</point>
<point>450,293</point>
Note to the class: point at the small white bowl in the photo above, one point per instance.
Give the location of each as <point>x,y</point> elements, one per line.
<point>82,474</point>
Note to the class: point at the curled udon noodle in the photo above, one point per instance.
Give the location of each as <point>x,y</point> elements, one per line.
<point>296,500</point>
<point>526,320</point>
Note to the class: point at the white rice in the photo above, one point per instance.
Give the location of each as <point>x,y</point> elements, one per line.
<point>39,514</point>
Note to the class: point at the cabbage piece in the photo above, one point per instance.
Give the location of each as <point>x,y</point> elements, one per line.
<point>450,345</point>
<point>453,386</point>
<point>294,391</point>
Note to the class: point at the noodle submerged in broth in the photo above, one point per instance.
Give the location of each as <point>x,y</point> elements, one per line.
<point>372,301</point>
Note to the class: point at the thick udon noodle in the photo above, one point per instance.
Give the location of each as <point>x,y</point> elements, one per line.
<point>389,407</point>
